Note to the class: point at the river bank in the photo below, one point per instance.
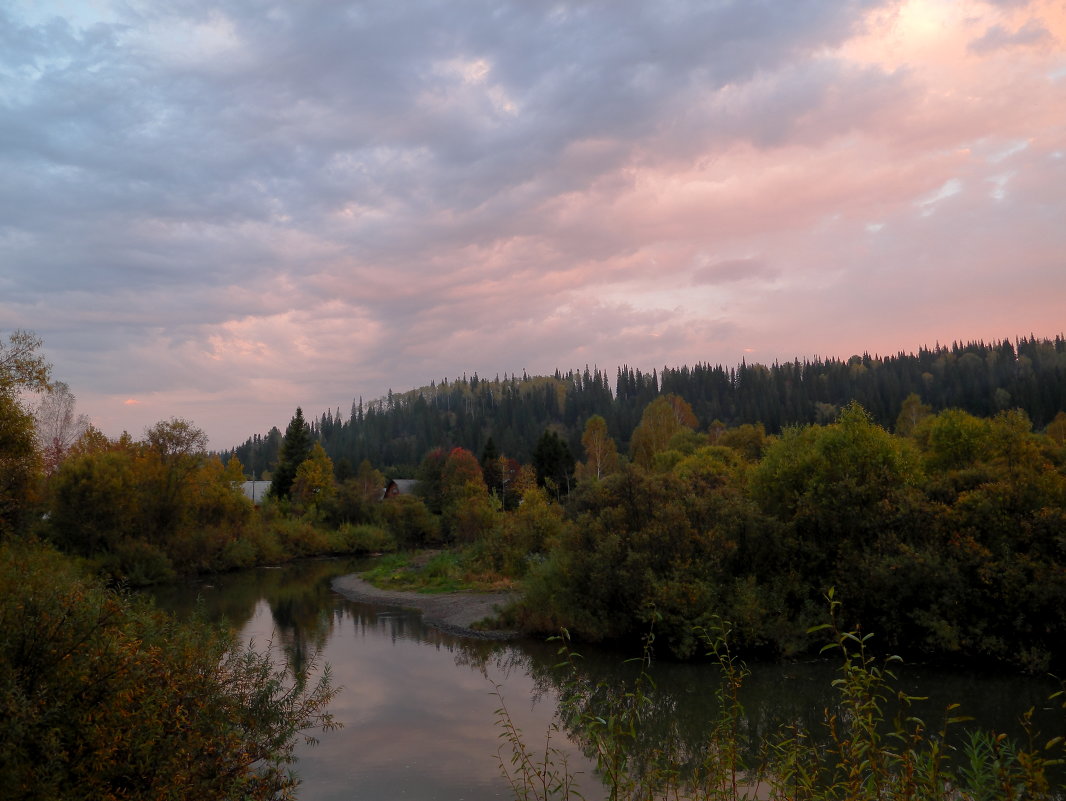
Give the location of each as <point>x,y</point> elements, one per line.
<point>454,612</point>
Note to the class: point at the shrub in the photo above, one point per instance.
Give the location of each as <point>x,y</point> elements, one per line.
<point>300,537</point>
<point>364,538</point>
<point>104,697</point>
<point>410,521</point>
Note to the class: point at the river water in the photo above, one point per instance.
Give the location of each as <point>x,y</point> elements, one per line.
<point>419,707</point>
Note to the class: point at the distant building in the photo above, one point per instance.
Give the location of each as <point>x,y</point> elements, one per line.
<point>400,486</point>
<point>255,491</point>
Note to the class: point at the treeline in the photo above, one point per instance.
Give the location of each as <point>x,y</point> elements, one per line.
<point>396,431</point>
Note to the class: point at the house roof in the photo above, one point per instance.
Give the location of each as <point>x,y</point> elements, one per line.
<point>255,491</point>
<point>405,486</point>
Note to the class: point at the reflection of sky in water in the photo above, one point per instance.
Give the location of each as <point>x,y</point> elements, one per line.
<point>417,723</point>
<point>419,712</point>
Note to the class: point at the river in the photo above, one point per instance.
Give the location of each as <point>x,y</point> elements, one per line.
<point>418,706</point>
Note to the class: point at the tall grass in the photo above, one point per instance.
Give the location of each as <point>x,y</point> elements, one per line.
<point>870,746</point>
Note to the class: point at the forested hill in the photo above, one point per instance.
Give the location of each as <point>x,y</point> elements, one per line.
<point>396,431</point>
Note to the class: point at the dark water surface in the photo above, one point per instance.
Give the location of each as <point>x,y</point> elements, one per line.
<point>418,707</point>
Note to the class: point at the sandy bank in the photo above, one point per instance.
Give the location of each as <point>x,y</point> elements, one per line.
<point>454,612</point>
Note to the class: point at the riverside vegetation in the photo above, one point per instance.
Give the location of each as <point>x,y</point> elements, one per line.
<point>870,746</point>
<point>947,535</point>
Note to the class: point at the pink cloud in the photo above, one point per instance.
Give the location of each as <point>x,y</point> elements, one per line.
<point>499,199</point>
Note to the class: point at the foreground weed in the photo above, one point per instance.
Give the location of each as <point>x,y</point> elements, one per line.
<point>867,757</point>
<point>533,776</point>
<point>861,753</point>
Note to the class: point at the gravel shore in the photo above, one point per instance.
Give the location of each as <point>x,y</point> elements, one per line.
<point>454,612</point>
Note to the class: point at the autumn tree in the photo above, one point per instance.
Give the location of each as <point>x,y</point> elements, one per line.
<point>21,364</point>
<point>663,418</point>
<point>92,440</point>
<point>465,507</point>
<point>601,453</point>
<point>144,509</point>
<point>1056,430</point>
<point>911,413</point>
<point>1056,438</point>
<point>314,478</point>
<point>461,477</point>
<point>104,697</point>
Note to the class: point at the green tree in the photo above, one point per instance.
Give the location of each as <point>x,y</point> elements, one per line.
<point>839,481</point>
<point>357,499</point>
<point>95,501</point>
<point>176,450</point>
<point>954,440</point>
<point>554,463</point>
<point>429,479</point>
<point>490,466</point>
<point>20,463</point>
<point>370,482</point>
<point>295,449</point>
<point>410,522</point>
<point>21,368</point>
<point>749,439</point>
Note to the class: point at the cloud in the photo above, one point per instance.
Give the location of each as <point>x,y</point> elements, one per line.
<point>730,270</point>
<point>1031,34</point>
<point>225,210</point>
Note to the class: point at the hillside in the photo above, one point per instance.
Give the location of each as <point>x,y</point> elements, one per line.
<point>394,432</point>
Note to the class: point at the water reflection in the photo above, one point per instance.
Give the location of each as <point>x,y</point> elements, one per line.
<point>417,703</point>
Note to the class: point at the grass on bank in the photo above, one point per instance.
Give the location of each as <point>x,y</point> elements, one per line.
<point>433,572</point>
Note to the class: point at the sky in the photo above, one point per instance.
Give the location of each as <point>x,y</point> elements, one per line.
<point>222,210</point>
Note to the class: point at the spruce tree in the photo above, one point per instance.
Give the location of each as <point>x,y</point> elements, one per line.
<point>295,449</point>
<point>490,465</point>
<point>553,462</point>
